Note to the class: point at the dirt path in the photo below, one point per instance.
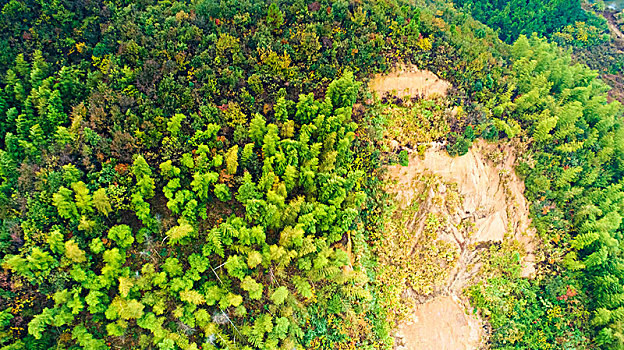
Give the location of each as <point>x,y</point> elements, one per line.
<point>441,324</point>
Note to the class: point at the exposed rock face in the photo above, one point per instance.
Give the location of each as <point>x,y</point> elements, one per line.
<point>491,208</point>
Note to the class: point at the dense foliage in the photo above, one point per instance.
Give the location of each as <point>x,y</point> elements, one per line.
<point>169,179</point>
<point>564,19</point>
<point>197,174</point>
<point>573,170</point>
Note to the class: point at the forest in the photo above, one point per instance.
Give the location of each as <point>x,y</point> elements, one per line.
<point>209,174</point>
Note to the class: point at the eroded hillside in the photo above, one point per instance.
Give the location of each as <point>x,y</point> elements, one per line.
<point>446,212</point>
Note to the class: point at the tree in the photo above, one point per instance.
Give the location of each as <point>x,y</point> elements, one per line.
<point>56,242</point>
<point>303,287</point>
<point>39,261</point>
<point>222,192</point>
<point>281,327</point>
<point>125,286</point>
<point>201,183</point>
<point>38,324</point>
<point>231,160</point>
<point>168,170</point>
<point>230,299</point>
<point>114,260</point>
<point>74,253</point>
<point>279,295</point>
<point>86,340</point>
<point>83,198</point>
<point>172,267</point>
<point>64,204</point>
<point>257,128</point>
<point>174,124</point>
<point>236,267</point>
<point>180,233</point>
<point>124,309</point>
<point>247,153</point>
<point>192,296</point>
<point>122,235</point>
<point>254,288</point>
<point>116,329</point>
<point>254,259</point>
<point>101,201</point>
<point>96,246</point>
<point>543,128</point>
<point>269,144</point>
<point>275,17</point>
<point>94,301</point>
<point>141,170</point>
<point>343,92</point>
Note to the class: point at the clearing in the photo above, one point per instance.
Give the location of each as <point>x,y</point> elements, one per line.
<point>447,211</point>
<point>409,81</point>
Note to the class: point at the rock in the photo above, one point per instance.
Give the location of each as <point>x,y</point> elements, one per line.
<point>394,145</point>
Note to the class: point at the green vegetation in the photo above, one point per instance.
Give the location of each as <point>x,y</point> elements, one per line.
<point>207,174</point>
<point>573,177</point>
<point>564,20</point>
<point>170,179</point>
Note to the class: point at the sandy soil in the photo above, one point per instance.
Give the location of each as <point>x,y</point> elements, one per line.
<point>441,324</point>
<point>409,81</point>
<point>492,194</point>
<point>494,206</point>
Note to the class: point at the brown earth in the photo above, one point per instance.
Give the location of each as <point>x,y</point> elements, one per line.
<point>493,208</point>
<point>409,81</point>
<point>616,81</point>
<point>490,208</point>
<point>616,33</point>
<point>442,324</point>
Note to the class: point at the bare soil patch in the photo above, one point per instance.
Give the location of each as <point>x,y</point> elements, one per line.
<point>447,210</point>
<point>409,81</point>
<point>441,324</point>
<point>490,208</point>
<point>616,33</point>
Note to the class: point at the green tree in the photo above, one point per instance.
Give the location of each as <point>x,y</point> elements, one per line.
<point>74,253</point>
<point>180,233</point>
<point>64,203</point>
<point>257,129</point>
<point>279,295</point>
<point>222,192</point>
<point>83,198</point>
<point>122,235</point>
<point>254,288</point>
<point>275,17</point>
<point>231,160</point>
<point>101,201</point>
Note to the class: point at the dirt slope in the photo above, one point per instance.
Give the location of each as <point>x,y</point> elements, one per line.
<point>447,210</point>
<point>491,208</point>
<point>441,324</point>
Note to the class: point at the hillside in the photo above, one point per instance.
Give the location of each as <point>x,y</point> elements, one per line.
<point>310,175</point>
